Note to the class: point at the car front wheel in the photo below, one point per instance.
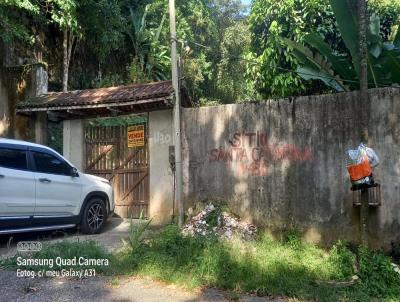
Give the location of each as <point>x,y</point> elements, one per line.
<point>94,216</point>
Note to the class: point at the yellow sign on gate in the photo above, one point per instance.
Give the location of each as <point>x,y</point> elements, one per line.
<point>135,136</point>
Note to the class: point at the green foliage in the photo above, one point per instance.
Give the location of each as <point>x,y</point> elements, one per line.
<point>226,13</point>
<point>55,136</point>
<point>202,28</point>
<point>337,70</point>
<point>136,233</point>
<point>209,102</point>
<point>388,12</point>
<point>232,66</point>
<point>343,260</point>
<point>288,267</point>
<point>195,27</point>
<point>378,277</point>
<point>227,56</point>
<point>225,80</point>
<point>128,41</point>
<point>63,13</point>
<point>273,63</point>
<point>314,66</point>
<point>212,218</point>
<point>102,25</point>
<point>110,80</point>
<point>150,62</point>
<point>118,121</point>
<point>292,238</point>
<point>11,25</point>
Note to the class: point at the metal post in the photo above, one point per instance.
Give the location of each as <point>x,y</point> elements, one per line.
<point>364,217</point>
<point>363,18</point>
<point>177,117</point>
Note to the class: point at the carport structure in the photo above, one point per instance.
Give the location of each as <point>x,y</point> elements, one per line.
<point>138,168</point>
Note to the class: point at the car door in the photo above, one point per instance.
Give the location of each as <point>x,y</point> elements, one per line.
<point>58,194</point>
<point>17,187</point>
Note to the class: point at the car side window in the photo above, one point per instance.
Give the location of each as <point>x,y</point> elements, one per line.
<point>13,159</point>
<point>47,163</point>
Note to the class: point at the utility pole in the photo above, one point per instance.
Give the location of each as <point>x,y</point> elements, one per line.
<point>363,73</point>
<point>363,19</point>
<point>177,114</point>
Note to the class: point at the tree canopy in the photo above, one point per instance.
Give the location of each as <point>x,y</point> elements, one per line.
<point>274,63</point>
<point>228,54</point>
<point>340,71</point>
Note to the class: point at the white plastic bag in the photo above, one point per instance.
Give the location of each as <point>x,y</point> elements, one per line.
<point>362,153</point>
<point>372,157</point>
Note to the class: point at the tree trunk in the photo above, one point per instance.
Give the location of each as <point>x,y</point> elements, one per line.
<point>65,61</point>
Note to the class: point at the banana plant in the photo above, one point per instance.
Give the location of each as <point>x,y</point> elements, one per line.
<point>318,61</point>
<point>151,60</point>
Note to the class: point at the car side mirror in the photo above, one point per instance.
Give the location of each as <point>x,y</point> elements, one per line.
<point>74,172</point>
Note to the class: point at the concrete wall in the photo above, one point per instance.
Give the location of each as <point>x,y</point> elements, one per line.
<point>74,142</point>
<point>161,175</point>
<point>282,163</point>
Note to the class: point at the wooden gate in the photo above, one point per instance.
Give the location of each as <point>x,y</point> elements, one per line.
<point>127,168</point>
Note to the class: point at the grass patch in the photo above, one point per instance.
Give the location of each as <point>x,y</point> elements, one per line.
<point>53,252</point>
<point>287,267</point>
<point>263,267</point>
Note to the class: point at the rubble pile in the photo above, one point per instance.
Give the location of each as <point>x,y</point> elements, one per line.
<point>211,221</point>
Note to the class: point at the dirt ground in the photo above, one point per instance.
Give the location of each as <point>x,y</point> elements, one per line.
<point>109,238</point>
<point>99,288</point>
<point>106,289</point>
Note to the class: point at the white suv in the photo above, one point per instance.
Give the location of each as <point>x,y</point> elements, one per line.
<point>41,190</point>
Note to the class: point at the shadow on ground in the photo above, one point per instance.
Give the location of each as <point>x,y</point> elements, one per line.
<point>109,238</point>
<point>105,289</point>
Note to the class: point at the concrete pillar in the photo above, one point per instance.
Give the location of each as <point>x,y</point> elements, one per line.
<point>41,128</point>
<point>161,175</point>
<point>74,143</point>
<point>4,110</point>
<point>39,81</point>
<point>38,86</point>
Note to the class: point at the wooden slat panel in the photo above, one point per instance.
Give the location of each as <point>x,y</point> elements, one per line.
<point>99,157</point>
<point>108,156</point>
<point>111,172</point>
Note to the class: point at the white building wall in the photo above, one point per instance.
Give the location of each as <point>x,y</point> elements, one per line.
<point>74,142</point>
<point>161,174</point>
<point>161,208</point>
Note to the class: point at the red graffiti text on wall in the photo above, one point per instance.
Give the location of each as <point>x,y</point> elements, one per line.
<point>252,152</point>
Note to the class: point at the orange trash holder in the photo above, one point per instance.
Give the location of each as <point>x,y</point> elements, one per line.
<point>359,171</point>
